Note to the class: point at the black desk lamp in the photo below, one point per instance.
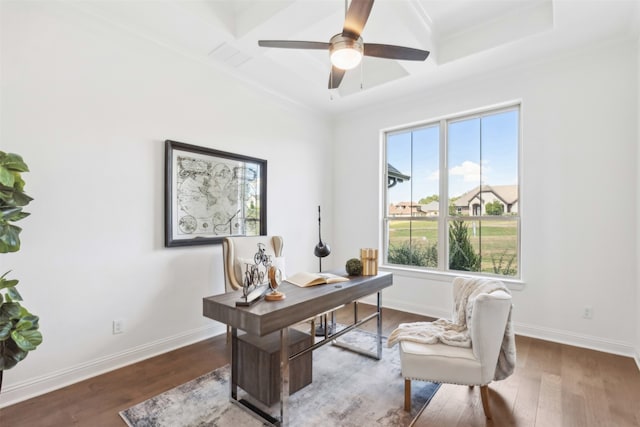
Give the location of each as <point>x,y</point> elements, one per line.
<point>322,250</point>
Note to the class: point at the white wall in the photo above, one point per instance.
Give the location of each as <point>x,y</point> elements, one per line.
<point>89,106</point>
<point>578,204</point>
<point>637,355</point>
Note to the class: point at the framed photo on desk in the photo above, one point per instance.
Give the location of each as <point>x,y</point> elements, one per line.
<point>212,194</point>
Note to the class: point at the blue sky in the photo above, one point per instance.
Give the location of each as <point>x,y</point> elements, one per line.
<point>470,162</point>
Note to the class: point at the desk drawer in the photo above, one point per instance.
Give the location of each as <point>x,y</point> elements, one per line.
<point>259,364</point>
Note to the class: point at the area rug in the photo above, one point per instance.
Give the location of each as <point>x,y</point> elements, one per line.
<point>348,389</point>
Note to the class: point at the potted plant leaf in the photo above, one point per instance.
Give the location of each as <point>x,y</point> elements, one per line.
<point>19,332</point>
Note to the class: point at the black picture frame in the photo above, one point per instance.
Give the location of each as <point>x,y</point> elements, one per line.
<point>211,194</point>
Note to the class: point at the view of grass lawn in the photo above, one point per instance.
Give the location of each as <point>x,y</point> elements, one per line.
<point>494,240</point>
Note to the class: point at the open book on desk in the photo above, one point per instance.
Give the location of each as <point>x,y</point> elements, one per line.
<point>304,279</point>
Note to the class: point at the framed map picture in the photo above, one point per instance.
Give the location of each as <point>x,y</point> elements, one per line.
<point>211,194</point>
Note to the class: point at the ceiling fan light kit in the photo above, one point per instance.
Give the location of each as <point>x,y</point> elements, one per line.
<point>347,48</point>
<point>345,52</point>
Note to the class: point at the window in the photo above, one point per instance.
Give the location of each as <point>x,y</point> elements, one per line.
<point>452,194</point>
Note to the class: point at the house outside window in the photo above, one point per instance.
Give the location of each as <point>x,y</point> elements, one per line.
<point>457,205</point>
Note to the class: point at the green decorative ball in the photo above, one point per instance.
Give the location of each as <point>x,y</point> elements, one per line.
<point>354,267</point>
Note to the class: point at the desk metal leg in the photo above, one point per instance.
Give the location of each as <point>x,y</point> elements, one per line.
<point>379,337</point>
<point>284,377</point>
<point>377,354</point>
<point>234,365</point>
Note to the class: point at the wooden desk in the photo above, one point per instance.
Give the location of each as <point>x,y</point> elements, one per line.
<point>300,304</point>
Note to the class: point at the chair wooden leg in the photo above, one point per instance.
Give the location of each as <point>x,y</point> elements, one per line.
<point>484,394</point>
<point>407,394</point>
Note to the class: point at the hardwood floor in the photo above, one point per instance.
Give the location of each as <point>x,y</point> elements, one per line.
<point>554,385</point>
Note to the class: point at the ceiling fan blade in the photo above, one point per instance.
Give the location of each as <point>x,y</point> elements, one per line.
<point>335,78</point>
<point>394,52</point>
<point>356,17</point>
<point>293,44</point>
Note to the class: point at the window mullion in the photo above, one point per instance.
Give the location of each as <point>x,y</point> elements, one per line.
<point>481,151</point>
<point>443,205</point>
<point>411,195</point>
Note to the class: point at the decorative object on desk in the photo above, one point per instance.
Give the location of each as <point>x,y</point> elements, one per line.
<point>322,249</point>
<point>275,278</point>
<point>369,258</point>
<point>210,194</point>
<point>239,250</point>
<point>256,277</point>
<point>354,267</point>
<point>304,279</point>
<point>371,394</point>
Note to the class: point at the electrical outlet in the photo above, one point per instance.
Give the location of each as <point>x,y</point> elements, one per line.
<point>588,312</point>
<point>118,326</point>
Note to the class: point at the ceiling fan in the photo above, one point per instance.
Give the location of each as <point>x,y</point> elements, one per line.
<point>347,48</point>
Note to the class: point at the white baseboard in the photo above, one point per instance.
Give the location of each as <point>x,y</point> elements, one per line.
<point>571,338</point>
<point>19,392</point>
<point>547,334</point>
<point>420,309</point>
<point>637,358</point>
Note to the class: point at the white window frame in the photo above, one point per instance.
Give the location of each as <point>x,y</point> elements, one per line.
<point>442,272</point>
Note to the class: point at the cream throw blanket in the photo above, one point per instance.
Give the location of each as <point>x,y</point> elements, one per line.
<point>455,332</point>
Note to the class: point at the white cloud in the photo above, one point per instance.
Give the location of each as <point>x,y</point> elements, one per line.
<point>470,171</point>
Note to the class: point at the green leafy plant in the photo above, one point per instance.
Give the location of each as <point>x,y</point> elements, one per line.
<point>12,199</point>
<point>18,327</point>
<point>422,255</point>
<point>504,266</point>
<point>494,208</point>
<point>462,256</point>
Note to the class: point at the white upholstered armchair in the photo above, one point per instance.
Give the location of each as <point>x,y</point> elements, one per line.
<point>485,305</point>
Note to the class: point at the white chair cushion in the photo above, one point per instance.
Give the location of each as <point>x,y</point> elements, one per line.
<point>439,363</point>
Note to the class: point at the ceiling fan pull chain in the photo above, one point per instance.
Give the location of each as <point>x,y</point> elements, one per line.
<point>361,74</point>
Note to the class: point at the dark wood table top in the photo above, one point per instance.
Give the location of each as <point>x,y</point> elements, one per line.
<point>265,317</point>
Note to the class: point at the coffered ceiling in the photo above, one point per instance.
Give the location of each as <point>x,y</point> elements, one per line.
<point>464,37</point>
